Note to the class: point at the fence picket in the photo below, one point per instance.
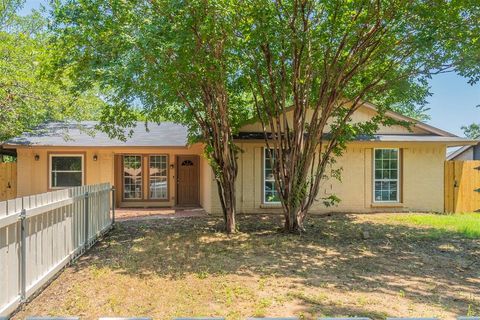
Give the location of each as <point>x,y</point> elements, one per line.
<point>54,234</point>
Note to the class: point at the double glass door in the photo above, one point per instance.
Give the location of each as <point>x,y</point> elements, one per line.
<point>145,177</point>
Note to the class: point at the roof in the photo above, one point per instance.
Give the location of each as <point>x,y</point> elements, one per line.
<point>85,133</point>
<point>419,124</point>
<point>452,155</point>
<point>170,134</point>
<point>449,140</point>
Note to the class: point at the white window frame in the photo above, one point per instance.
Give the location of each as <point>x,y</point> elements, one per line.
<point>398,177</point>
<point>165,176</point>
<point>73,155</point>
<point>142,171</point>
<point>265,180</point>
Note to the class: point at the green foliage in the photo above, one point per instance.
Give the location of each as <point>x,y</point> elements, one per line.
<point>416,39</point>
<point>8,9</point>
<point>151,59</point>
<point>472,131</point>
<point>27,98</point>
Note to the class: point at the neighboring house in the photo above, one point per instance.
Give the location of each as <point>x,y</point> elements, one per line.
<point>471,152</point>
<point>396,169</point>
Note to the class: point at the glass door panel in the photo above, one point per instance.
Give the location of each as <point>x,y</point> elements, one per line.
<point>132,177</point>
<point>158,181</point>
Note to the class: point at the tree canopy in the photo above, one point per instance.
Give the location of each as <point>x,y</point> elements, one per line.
<point>27,96</point>
<point>472,131</point>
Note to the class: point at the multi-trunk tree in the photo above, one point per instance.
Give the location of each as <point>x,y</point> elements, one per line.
<point>172,60</point>
<point>311,65</point>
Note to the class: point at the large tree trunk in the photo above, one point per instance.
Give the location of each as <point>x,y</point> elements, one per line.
<point>226,193</point>
<point>223,160</point>
<point>294,219</point>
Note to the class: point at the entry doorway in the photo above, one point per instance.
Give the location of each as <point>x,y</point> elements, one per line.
<point>188,178</point>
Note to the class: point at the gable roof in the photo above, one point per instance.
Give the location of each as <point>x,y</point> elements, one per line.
<point>419,124</point>
<point>458,152</point>
<point>85,134</point>
<point>170,134</point>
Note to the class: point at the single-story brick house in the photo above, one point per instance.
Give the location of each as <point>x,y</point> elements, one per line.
<point>397,169</point>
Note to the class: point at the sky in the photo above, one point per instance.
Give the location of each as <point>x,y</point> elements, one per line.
<point>452,104</point>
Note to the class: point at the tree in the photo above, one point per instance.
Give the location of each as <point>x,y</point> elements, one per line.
<point>171,60</point>
<point>472,131</point>
<point>8,9</point>
<point>27,98</point>
<point>311,64</point>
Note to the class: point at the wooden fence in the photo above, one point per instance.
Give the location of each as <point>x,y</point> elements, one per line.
<point>40,234</point>
<point>462,186</point>
<point>8,180</point>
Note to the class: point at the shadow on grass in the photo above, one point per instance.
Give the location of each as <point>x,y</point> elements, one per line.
<point>420,264</point>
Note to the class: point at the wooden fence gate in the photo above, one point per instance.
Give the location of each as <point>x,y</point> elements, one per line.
<point>462,186</point>
<point>8,180</point>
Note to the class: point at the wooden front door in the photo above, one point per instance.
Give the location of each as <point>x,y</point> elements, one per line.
<point>188,180</point>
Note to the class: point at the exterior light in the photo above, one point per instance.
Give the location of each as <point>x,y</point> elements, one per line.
<point>37,157</point>
<point>95,157</point>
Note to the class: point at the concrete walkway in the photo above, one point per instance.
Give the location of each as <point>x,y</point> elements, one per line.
<point>126,214</point>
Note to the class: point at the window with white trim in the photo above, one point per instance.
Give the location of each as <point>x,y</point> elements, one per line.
<point>158,179</point>
<point>66,170</point>
<point>386,175</point>
<point>270,194</point>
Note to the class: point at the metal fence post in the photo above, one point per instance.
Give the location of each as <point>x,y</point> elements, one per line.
<point>86,211</point>
<point>113,205</point>
<point>23,254</point>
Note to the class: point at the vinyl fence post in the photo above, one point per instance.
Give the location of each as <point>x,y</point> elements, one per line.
<point>86,219</point>
<point>113,205</point>
<point>23,254</point>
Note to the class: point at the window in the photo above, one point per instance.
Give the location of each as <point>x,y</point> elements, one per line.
<point>386,175</point>
<point>270,194</point>
<point>66,170</point>
<point>158,183</point>
<point>132,177</point>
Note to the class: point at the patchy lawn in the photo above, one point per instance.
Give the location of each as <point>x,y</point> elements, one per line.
<point>346,265</point>
<point>466,224</point>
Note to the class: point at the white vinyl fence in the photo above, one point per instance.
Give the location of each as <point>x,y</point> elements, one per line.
<point>40,234</point>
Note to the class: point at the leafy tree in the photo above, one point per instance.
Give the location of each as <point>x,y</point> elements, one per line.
<point>472,131</point>
<point>8,9</point>
<point>170,60</point>
<point>27,98</point>
<point>318,61</point>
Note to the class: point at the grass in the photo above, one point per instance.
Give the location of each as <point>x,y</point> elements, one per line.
<point>466,224</point>
<point>186,267</point>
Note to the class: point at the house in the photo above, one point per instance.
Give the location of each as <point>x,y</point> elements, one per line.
<point>469,152</point>
<point>396,169</point>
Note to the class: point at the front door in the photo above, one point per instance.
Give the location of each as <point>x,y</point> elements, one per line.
<point>187,180</point>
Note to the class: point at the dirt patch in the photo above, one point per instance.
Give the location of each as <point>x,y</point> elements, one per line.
<point>187,267</point>
<point>125,214</point>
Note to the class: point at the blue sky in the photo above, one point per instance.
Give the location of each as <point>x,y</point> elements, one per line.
<point>452,105</point>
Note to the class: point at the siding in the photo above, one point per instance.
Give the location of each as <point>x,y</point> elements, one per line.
<point>32,176</point>
<point>421,174</point>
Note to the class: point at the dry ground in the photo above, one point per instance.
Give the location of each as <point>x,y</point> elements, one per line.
<point>186,267</point>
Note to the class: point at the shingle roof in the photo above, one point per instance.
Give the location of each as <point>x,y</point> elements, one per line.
<point>448,140</point>
<point>82,134</point>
